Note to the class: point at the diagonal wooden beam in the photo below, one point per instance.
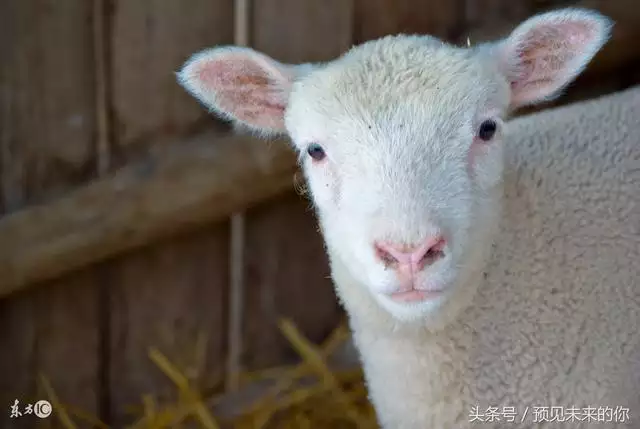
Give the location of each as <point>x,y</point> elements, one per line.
<point>193,182</point>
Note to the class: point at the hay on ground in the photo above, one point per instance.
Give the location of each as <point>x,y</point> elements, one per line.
<point>319,392</point>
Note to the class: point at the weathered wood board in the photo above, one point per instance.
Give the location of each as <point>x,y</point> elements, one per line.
<point>150,40</point>
<point>47,126</point>
<point>166,296</point>
<point>46,100</point>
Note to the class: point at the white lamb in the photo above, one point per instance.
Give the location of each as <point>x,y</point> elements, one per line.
<point>489,280</point>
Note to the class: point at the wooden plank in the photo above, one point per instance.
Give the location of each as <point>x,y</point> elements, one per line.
<point>302,31</point>
<point>285,261</point>
<point>287,276</point>
<point>622,50</point>
<point>377,18</point>
<point>165,296</point>
<point>18,335</point>
<point>52,331</point>
<point>46,99</point>
<point>151,40</point>
<point>46,148</point>
<point>187,184</point>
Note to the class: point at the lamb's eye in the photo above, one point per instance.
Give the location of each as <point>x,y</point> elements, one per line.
<point>316,152</point>
<point>487,130</point>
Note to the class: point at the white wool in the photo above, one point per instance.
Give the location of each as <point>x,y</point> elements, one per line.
<point>539,273</point>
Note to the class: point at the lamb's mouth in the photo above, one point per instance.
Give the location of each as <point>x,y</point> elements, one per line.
<point>415,295</point>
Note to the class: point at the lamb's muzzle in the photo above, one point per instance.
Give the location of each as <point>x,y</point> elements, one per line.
<point>407,262</point>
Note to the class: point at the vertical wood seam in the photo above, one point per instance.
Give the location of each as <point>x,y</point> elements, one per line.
<point>12,196</point>
<point>101,37</point>
<point>237,240</point>
<point>101,82</point>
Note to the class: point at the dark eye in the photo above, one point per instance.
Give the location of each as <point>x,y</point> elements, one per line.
<point>487,130</point>
<point>316,152</point>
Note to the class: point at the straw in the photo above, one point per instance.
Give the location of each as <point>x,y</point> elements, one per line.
<point>60,411</point>
<point>309,394</point>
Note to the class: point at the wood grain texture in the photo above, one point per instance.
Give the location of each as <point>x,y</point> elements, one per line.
<point>302,31</point>
<point>287,276</point>
<point>151,39</point>
<point>165,296</point>
<point>18,340</point>
<point>47,148</point>
<point>46,99</point>
<point>53,331</point>
<point>287,272</point>
<point>622,51</point>
<point>377,18</point>
<point>198,181</point>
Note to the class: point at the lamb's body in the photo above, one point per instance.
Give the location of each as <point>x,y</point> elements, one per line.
<point>408,159</point>
<point>555,320</point>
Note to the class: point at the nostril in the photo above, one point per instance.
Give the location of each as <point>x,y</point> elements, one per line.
<point>384,255</point>
<point>430,252</point>
<point>433,254</point>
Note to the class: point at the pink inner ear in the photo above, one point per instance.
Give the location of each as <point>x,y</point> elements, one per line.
<point>246,90</point>
<point>547,57</point>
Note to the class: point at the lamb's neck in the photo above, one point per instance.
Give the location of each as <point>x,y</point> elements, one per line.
<point>411,369</point>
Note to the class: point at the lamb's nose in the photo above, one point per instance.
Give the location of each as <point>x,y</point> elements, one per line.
<point>418,256</point>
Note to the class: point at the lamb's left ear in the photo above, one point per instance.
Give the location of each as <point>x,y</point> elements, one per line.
<point>548,51</point>
<point>242,85</point>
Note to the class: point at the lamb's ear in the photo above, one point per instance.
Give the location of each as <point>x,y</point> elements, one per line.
<point>241,85</point>
<point>548,51</point>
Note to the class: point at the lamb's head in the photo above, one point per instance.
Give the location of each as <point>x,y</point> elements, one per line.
<point>401,142</point>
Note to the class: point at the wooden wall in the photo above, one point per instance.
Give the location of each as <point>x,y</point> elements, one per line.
<point>87,88</point>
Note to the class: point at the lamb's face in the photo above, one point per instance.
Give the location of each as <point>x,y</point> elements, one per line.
<point>401,142</point>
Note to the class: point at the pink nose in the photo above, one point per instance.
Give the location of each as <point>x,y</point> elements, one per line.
<point>417,257</point>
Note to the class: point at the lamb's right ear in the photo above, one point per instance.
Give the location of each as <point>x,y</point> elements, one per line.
<point>548,51</point>
<point>241,85</point>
